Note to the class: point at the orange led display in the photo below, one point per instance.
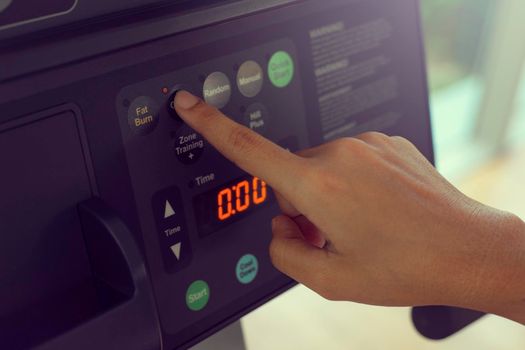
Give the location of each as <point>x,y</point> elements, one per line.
<point>239,197</point>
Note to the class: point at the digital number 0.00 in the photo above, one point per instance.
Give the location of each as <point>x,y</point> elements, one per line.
<point>238,198</point>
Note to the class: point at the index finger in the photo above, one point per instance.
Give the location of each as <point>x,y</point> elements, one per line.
<point>247,149</point>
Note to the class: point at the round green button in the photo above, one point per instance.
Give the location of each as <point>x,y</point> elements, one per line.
<point>280,69</point>
<point>247,268</point>
<point>197,295</point>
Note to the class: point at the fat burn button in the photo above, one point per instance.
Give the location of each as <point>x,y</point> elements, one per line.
<point>143,115</point>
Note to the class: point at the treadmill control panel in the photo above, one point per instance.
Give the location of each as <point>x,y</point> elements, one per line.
<point>190,230</point>
<point>207,219</point>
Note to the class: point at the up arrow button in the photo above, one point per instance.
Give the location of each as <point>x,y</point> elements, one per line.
<point>176,250</point>
<point>175,245</point>
<point>168,210</point>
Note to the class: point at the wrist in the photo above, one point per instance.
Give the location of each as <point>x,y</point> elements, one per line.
<point>498,286</point>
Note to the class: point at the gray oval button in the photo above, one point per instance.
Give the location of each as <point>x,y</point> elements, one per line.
<point>4,4</point>
<point>217,89</point>
<point>250,78</point>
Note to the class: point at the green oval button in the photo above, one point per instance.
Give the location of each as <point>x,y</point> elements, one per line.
<point>280,69</point>
<point>197,295</point>
<point>247,268</point>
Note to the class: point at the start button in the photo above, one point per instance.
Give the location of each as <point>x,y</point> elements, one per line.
<point>143,115</point>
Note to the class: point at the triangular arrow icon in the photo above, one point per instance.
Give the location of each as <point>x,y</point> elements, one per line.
<point>168,210</point>
<point>176,250</point>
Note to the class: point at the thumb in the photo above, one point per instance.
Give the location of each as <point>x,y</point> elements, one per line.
<point>294,256</point>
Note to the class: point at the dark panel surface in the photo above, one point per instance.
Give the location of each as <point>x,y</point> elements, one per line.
<point>45,278</point>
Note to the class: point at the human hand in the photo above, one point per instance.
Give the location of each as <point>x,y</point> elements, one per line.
<point>369,219</point>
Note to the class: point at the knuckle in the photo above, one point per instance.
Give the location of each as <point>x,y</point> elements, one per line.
<point>206,116</point>
<point>374,137</point>
<point>206,112</point>
<point>350,148</point>
<point>314,175</point>
<point>333,183</point>
<point>341,148</point>
<point>322,180</point>
<point>401,141</point>
<point>243,139</point>
<point>345,144</point>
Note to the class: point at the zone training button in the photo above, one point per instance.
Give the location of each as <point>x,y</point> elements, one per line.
<point>143,115</point>
<point>188,145</point>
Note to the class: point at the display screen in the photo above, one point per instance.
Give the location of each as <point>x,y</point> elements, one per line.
<point>228,203</point>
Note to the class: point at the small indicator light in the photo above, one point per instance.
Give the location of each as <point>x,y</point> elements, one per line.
<point>165,90</point>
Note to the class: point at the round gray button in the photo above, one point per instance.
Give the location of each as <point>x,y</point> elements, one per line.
<point>217,89</point>
<point>4,4</point>
<point>188,145</point>
<point>143,115</point>
<point>250,78</point>
<point>256,118</point>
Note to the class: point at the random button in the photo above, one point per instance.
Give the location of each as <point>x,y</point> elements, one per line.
<point>217,89</point>
<point>143,115</point>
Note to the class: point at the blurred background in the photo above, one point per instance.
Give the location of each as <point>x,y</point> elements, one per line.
<point>475,53</point>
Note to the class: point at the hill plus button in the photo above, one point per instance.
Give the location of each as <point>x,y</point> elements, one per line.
<point>256,118</point>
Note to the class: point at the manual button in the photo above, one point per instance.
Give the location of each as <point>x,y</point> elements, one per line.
<point>188,145</point>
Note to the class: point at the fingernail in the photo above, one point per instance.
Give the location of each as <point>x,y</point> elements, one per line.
<point>185,100</point>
